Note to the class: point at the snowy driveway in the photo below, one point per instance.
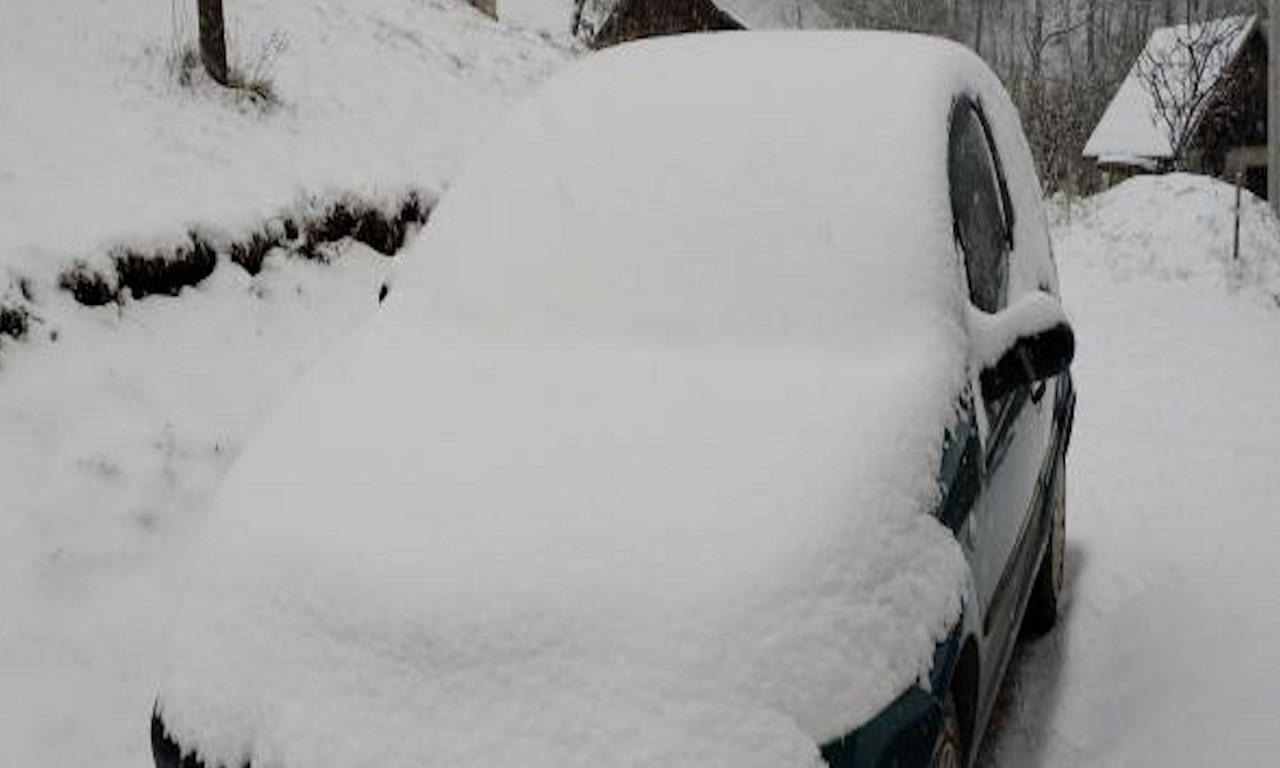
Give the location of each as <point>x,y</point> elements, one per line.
<point>1167,652</point>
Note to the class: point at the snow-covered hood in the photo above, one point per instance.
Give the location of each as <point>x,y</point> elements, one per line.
<point>480,527</point>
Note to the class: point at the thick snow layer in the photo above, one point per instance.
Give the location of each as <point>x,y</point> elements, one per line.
<point>101,145</point>
<point>504,522</point>
<point>771,166</point>
<point>1131,130</point>
<point>991,336</point>
<point>651,423</point>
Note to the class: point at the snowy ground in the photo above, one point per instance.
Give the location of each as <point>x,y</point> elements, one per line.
<point>1165,655</point>
<point>113,440</point>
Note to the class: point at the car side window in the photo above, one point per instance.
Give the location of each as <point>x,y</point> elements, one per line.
<point>978,208</point>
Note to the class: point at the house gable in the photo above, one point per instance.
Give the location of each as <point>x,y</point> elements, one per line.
<point>1130,132</point>
<point>635,19</point>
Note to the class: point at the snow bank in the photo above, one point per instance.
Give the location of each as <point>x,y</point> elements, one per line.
<point>647,438</point>
<point>1178,227</point>
<point>101,144</point>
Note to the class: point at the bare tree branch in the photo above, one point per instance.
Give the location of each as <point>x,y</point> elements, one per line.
<point>1181,71</point>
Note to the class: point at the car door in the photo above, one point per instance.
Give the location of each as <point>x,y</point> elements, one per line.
<point>1002,534</point>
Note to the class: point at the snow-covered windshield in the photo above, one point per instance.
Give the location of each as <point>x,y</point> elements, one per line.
<point>701,197</point>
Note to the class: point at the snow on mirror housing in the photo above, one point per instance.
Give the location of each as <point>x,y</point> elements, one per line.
<point>1028,342</point>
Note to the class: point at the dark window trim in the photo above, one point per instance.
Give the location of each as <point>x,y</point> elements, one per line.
<point>997,162</point>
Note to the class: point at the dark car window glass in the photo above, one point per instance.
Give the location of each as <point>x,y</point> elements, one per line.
<point>978,211</point>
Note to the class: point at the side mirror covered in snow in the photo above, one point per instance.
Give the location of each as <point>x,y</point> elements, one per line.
<point>1030,341</point>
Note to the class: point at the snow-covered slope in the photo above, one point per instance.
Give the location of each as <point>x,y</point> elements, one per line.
<point>1165,655</point>
<point>101,143</point>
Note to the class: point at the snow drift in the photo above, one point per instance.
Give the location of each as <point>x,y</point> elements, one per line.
<point>1179,227</point>
<point>642,448</point>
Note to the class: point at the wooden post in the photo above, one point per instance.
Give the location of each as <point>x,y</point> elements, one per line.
<point>1273,105</point>
<point>213,41</point>
<point>1235,242</point>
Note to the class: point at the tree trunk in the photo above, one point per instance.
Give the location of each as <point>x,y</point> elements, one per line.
<point>1091,32</point>
<point>213,41</point>
<point>1273,108</point>
<point>980,23</point>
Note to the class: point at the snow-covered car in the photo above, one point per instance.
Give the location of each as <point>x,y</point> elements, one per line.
<point>718,418</point>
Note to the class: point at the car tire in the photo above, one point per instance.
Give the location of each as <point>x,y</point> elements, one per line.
<point>948,748</point>
<point>1042,610</point>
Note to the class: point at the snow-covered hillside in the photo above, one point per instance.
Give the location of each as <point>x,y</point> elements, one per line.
<point>110,134</point>
<point>118,422</point>
<point>1165,654</point>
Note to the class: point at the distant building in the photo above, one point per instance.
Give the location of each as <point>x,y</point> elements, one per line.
<point>633,19</point>
<point>1227,130</point>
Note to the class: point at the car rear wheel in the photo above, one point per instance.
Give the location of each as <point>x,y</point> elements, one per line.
<point>1042,611</point>
<point>947,749</point>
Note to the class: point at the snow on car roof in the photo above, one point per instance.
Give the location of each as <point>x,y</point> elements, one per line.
<point>1130,130</point>
<point>683,192</point>
<point>635,468</point>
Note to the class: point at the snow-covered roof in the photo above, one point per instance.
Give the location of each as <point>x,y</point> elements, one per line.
<point>634,468</point>
<point>778,14</point>
<point>1130,131</point>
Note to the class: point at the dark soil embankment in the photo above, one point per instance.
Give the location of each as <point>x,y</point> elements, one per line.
<point>166,271</point>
